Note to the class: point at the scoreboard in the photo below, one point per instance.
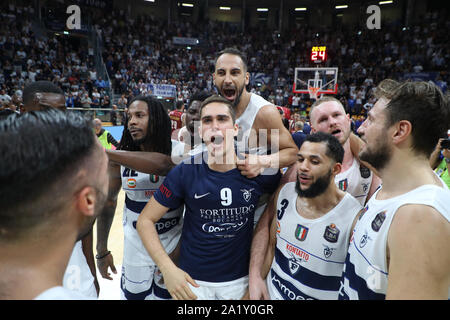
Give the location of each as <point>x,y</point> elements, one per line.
<point>318,54</point>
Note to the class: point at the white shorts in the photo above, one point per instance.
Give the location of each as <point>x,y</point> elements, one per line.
<point>231,290</point>
<point>142,283</point>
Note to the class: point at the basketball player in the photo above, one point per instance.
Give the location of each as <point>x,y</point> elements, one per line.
<point>309,235</point>
<point>176,118</point>
<point>80,274</point>
<point>220,204</point>
<point>158,163</point>
<point>258,121</point>
<point>257,118</point>
<point>399,245</point>
<point>147,128</point>
<point>38,231</point>
<point>327,115</point>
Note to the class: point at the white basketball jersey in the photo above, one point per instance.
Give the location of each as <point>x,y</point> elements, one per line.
<point>78,276</point>
<point>366,271</point>
<point>310,253</point>
<point>356,181</point>
<point>61,293</point>
<point>139,188</point>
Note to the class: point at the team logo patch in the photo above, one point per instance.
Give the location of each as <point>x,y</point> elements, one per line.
<point>364,239</point>
<point>278,227</point>
<point>301,232</point>
<point>343,185</point>
<point>153,178</point>
<point>331,233</point>
<point>131,183</point>
<point>247,194</point>
<point>378,221</point>
<point>365,172</point>
<point>294,264</point>
<point>327,251</point>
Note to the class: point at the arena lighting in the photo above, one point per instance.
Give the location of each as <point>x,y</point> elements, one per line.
<point>385,2</point>
<point>149,0</point>
<point>190,5</point>
<point>342,7</point>
<point>300,9</point>
<point>225,8</point>
<point>262,9</point>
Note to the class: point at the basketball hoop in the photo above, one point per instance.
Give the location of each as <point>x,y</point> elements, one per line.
<point>313,91</point>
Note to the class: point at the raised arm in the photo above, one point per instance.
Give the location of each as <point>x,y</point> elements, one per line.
<point>146,162</point>
<point>268,118</point>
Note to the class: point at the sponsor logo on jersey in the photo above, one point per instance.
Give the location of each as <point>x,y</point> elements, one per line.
<point>166,192</point>
<point>286,289</point>
<point>224,230</point>
<point>196,196</point>
<point>247,194</point>
<point>301,232</point>
<point>378,221</point>
<point>331,233</point>
<point>343,185</point>
<point>165,224</point>
<point>131,183</point>
<point>149,193</point>
<point>298,252</point>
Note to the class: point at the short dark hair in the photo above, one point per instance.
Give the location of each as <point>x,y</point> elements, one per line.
<point>219,99</point>
<point>41,152</point>
<point>39,86</point>
<point>235,52</point>
<point>334,151</point>
<point>159,128</point>
<point>427,109</point>
<point>200,96</point>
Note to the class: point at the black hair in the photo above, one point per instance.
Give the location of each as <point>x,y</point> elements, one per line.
<point>235,52</point>
<point>39,86</point>
<point>427,109</point>
<point>41,152</point>
<point>159,129</point>
<point>334,151</point>
<point>200,96</point>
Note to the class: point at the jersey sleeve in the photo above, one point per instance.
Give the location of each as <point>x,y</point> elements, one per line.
<point>171,192</point>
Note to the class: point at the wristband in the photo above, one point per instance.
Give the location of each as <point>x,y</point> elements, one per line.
<point>101,257</point>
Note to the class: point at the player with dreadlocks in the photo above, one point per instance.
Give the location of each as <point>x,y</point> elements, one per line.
<point>147,128</point>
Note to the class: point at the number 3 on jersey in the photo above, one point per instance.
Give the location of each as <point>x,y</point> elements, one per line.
<point>280,213</point>
<point>226,196</point>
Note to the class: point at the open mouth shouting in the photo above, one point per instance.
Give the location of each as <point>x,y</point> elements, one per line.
<point>229,93</point>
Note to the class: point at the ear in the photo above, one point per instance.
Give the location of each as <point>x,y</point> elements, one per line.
<point>236,129</point>
<point>337,167</point>
<point>247,78</point>
<point>402,131</point>
<point>85,201</point>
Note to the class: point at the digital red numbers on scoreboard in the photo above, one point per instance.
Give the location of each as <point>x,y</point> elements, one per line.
<point>319,54</point>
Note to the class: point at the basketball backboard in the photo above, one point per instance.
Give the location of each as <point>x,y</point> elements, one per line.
<point>315,81</point>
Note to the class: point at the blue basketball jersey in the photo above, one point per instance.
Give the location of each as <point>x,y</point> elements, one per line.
<point>218,223</point>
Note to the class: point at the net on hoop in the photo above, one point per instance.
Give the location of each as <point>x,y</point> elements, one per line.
<point>313,91</point>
